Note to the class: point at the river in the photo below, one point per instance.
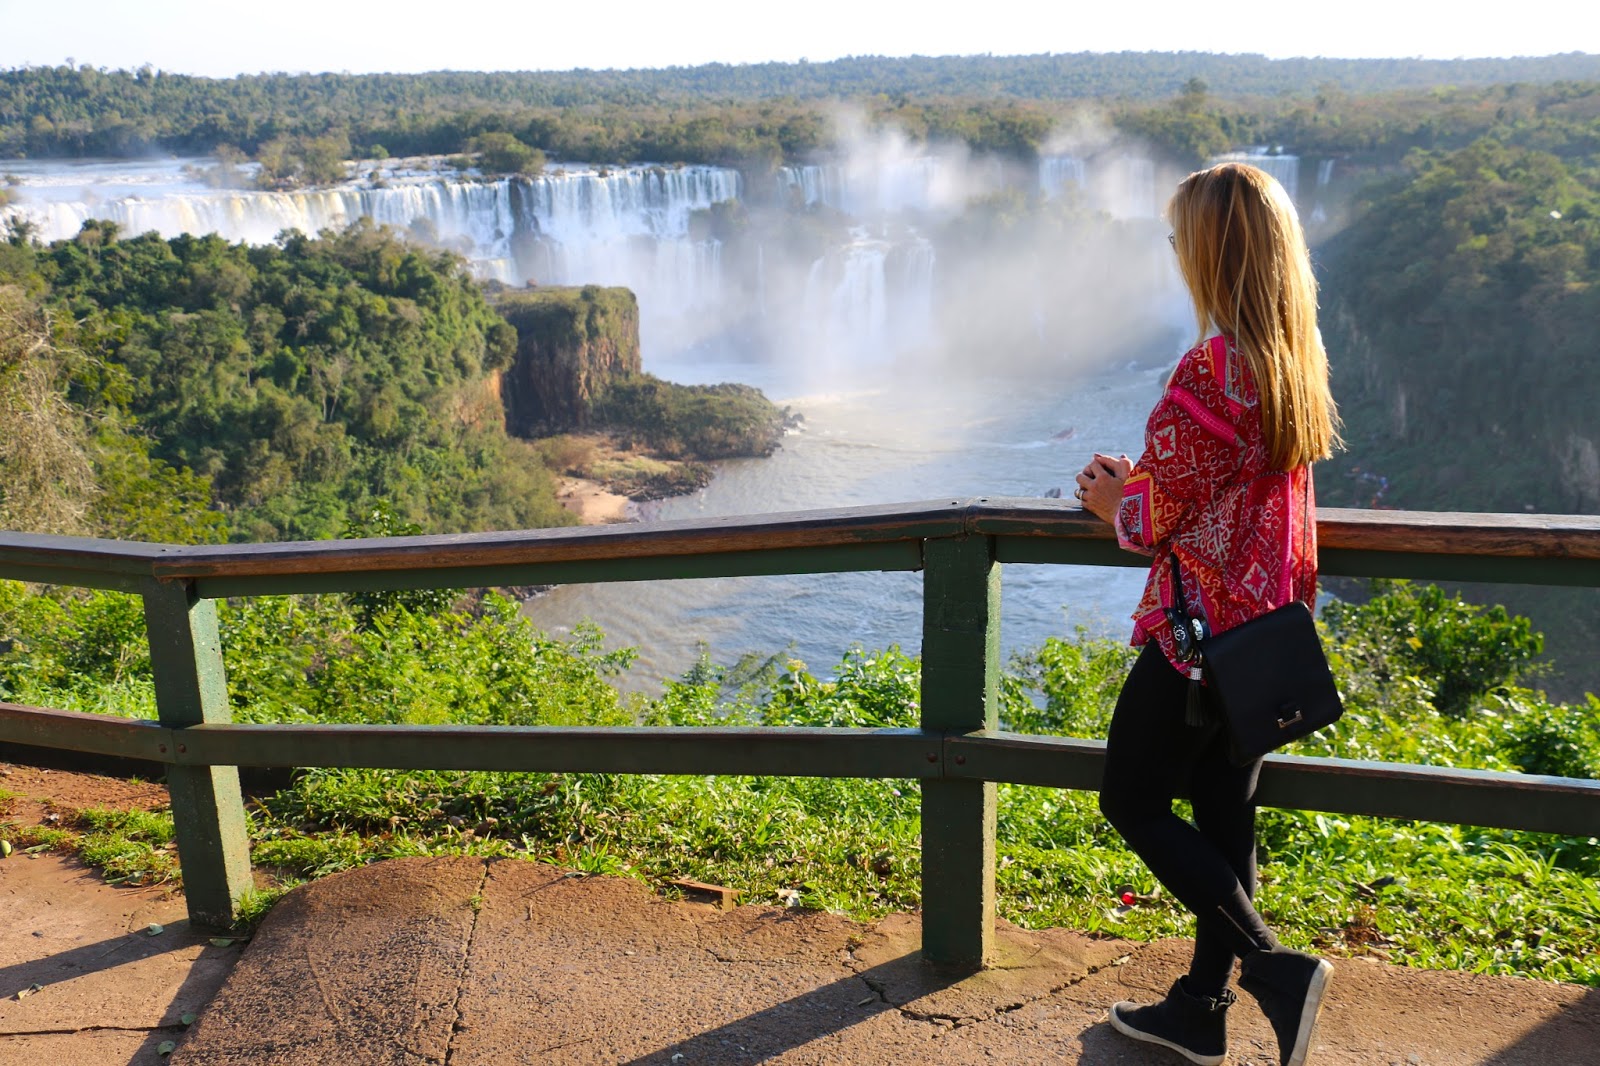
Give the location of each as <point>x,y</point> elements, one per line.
<point>881,441</point>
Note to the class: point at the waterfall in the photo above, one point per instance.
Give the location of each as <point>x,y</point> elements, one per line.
<point>1120,183</point>
<point>585,215</point>
<point>871,299</point>
<point>473,218</point>
<point>856,282</point>
<point>811,186</point>
<point>1056,172</point>
<point>576,225</point>
<point>886,183</point>
<point>625,226</point>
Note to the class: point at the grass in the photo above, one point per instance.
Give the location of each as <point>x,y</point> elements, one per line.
<point>1439,897</point>
<point>130,847</point>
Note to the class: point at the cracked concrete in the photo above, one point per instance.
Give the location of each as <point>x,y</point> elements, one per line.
<point>462,962</point>
<point>476,902</point>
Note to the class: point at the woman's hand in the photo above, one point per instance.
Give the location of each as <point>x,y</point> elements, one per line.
<point>1100,485</point>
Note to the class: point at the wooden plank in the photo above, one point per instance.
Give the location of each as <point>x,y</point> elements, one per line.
<point>1416,532</point>
<point>960,679</point>
<point>850,558</point>
<point>96,734</point>
<point>90,554</point>
<point>719,896</point>
<point>1336,786</point>
<point>207,808</point>
<point>1069,551</point>
<point>763,751</point>
<point>1461,533</point>
<point>73,578</point>
<point>1433,794</point>
<point>1510,570</point>
<point>1022,759</point>
<point>1413,532</point>
<point>1423,545</point>
<point>801,529</point>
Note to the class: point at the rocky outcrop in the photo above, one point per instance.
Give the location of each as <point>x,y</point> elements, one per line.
<point>572,344</point>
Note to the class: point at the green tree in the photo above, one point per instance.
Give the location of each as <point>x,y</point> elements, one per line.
<point>502,153</point>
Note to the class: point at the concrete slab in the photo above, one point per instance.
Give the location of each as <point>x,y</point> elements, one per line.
<point>360,967</point>
<point>84,944</point>
<point>471,963</point>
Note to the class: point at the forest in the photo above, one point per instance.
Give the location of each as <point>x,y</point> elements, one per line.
<point>291,385</point>
<point>763,114</point>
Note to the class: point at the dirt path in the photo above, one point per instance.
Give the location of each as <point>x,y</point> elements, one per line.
<point>463,961</point>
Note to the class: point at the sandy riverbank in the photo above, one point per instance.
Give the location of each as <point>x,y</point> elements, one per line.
<point>592,502</point>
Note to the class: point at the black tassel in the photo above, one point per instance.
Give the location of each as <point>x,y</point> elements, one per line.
<point>1194,709</point>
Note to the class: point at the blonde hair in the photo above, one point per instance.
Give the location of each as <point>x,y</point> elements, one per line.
<point>1243,256</point>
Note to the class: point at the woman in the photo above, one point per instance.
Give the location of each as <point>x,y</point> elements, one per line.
<point>1224,489</point>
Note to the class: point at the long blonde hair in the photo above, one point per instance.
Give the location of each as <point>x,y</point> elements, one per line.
<point>1243,256</point>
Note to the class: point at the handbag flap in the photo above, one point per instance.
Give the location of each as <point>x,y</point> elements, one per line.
<point>1271,680</point>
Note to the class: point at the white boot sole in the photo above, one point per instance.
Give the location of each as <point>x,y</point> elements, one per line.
<point>1308,1013</point>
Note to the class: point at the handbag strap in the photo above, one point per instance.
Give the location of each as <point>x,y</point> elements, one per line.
<point>1177,585</point>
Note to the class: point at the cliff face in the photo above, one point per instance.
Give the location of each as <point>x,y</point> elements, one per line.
<point>572,343</point>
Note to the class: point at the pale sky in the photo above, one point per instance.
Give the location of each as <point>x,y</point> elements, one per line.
<point>226,37</point>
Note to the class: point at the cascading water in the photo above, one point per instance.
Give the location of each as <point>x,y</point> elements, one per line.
<point>474,218</point>
<point>810,186</point>
<point>627,226</point>
<point>1058,172</point>
<point>1121,184</point>
<point>886,184</point>
<point>871,300</point>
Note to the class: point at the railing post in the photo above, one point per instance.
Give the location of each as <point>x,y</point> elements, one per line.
<point>207,808</point>
<point>960,677</point>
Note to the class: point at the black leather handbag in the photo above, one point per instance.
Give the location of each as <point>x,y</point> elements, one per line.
<point>1270,682</point>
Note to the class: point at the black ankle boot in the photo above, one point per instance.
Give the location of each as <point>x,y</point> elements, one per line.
<point>1289,985</point>
<point>1196,1027</point>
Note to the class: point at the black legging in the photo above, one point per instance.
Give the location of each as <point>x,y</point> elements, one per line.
<point>1152,757</point>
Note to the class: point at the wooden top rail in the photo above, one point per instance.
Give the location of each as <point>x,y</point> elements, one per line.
<point>1423,532</point>
<point>702,536</point>
<point>73,560</point>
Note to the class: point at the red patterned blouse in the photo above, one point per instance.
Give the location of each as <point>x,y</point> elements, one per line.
<point>1244,534</point>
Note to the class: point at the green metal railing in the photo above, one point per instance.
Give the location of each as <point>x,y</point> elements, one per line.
<point>958,753</point>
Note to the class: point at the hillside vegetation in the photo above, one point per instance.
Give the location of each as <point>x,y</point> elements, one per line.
<point>302,380</point>
<point>193,389</point>
<point>1460,307</point>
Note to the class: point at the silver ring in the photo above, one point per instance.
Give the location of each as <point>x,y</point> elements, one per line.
<point>1079,492</point>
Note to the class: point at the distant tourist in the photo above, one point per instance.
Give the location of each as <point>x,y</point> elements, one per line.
<point>1222,499</point>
